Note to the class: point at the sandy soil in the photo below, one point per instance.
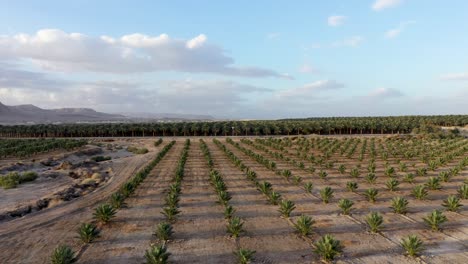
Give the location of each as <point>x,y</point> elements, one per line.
<point>31,239</point>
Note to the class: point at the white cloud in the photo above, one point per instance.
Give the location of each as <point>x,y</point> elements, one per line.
<point>273,35</point>
<point>310,89</point>
<point>384,93</point>
<point>395,32</point>
<point>307,68</point>
<point>53,49</point>
<point>335,21</point>
<point>353,41</point>
<point>455,76</point>
<point>196,42</point>
<point>384,4</point>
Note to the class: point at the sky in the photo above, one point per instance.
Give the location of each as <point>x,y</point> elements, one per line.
<point>237,59</point>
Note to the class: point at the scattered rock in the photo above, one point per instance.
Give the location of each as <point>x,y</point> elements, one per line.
<point>89,152</point>
<point>21,211</point>
<point>42,203</point>
<point>49,162</point>
<point>88,183</point>
<point>66,165</point>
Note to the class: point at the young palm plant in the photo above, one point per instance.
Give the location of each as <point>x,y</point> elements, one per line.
<point>170,213</point>
<point>354,172</point>
<point>224,197</point>
<point>371,194</point>
<point>244,256</point>
<point>274,197</point>
<point>371,178</point>
<point>326,194</point>
<point>374,221</point>
<point>419,192</point>
<point>297,179</point>
<point>63,254</point>
<point>345,206</point>
<point>433,183</point>
<point>157,254</point>
<point>452,203</point>
<point>435,219</point>
<point>392,184</point>
<point>286,174</point>
<point>328,247</point>
<point>409,178</point>
<point>163,231</point>
<point>352,186</point>
<point>389,171</point>
<point>304,224</point>
<point>445,176</point>
<point>399,205</point>
<point>104,213</point>
<point>323,175</point>
<point>88,232</point>
<point>286,207</point>
<point>308,186</point>
<point>342,169</point>
<point>412,245</point>
<point>235,226</point>
<point>463,191</point>
<point>229,212</point>
<point>117,200</point>
<point>265,187</point>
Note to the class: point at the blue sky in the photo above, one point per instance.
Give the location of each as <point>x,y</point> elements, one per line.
<point>237,59</point>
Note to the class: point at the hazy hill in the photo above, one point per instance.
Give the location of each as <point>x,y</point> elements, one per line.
<point>22,114</point>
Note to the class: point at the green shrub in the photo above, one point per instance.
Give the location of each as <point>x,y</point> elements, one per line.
<point>244,256</point>
<point>399,205</point>
<point>163,231</point>
<point>157,254</point>
<point>235,226</point>
<point>351,186</point>
<point>304,224</point>
<point>345,205</point>
<point>11,180</point>
<point>326,194</point>
<point>104,213</point>
<point>28,176</point>
<point>374,221</point>
<point>413,245</point>
<point>452,203</point>
<point>88,232</point>
<point>328,247</point>
<point>286,207</point>
<point>63,254</point>
<point>435,219</point>
<point>371,194</point>
<point>136,150</point>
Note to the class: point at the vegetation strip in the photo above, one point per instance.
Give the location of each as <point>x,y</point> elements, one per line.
<point>158,253</point>
<point>234,224</point>
<point>105,212</point>
<point>327,125</point>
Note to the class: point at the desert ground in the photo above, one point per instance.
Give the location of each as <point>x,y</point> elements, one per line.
<point>29,233</point>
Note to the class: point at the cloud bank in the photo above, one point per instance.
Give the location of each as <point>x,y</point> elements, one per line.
<point>56,50</point>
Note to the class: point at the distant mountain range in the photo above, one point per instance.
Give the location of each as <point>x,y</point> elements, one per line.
<point>30,114</point>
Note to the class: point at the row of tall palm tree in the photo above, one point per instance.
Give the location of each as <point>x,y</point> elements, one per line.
<point>337,125</point>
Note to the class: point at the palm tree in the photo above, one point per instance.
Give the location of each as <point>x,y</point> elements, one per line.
<point>374,221</point>
<point>452,203</point>
<point>326,194</point>
<point>399,205</point>
<point>304,224</point>
<point>435,219</point>
<point>345,205</point>
<point>328,247</point>
<point>412,245</point>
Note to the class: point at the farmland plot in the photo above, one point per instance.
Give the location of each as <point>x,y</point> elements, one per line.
<point>268,200</point>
